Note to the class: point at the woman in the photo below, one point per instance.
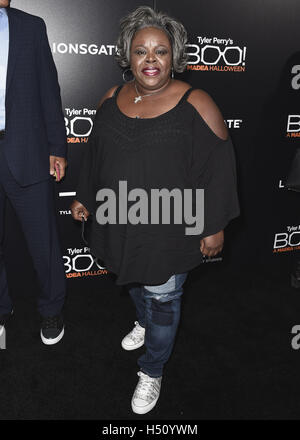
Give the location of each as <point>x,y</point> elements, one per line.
<point>155,132</point>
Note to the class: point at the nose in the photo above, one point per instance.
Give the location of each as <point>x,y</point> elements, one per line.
<point>151,58</point>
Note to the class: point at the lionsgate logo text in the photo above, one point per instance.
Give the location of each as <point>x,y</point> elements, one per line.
<point>83,48</point>
<point>138,213</point>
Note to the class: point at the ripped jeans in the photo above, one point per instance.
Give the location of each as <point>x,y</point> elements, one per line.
<point>158,311</point>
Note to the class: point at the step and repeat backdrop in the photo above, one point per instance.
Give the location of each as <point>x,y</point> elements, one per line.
<point>246,56</point>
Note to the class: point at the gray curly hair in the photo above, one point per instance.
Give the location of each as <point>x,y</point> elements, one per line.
<point>143,17</point>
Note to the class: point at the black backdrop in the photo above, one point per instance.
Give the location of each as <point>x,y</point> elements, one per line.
<point>254,83</point>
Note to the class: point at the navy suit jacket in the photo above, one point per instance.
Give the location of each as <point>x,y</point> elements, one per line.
<point>34,126</point>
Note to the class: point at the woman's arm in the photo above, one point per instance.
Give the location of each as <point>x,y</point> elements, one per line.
<point>78,210</point>
<point>209,111</point>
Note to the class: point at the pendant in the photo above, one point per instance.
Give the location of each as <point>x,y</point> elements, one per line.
<point>137,99</point>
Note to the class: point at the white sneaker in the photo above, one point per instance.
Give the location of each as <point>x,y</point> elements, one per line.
<point>135,338</point>
<point>146,393</point>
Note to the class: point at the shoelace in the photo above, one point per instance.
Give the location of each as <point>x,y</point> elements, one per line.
<point>50,322</point>
<point>147,388</point>
<point>137,332</point>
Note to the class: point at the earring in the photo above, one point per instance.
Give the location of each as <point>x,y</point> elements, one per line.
<point>126,76</point>
<point>172,73</point>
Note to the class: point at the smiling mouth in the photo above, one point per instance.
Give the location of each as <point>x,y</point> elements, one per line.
<point>151,71</point>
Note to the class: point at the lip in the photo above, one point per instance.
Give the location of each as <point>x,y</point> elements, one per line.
<point>151,71</point>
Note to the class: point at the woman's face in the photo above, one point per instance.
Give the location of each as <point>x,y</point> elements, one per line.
<point>151,58</point>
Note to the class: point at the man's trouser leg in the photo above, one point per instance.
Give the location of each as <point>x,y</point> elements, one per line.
<point>34,206</point>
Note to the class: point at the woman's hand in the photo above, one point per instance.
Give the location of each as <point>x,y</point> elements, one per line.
<point>79,211</point>
<point>212,245</point>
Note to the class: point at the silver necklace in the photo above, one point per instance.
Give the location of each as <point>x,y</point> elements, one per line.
<point>140,97</point>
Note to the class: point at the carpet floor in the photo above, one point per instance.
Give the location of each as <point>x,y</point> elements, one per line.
<point>233,357</point>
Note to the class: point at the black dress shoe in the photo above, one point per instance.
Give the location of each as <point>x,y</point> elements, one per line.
<point>52,329</point>
<point>295,276</point>
<point>3,320</point>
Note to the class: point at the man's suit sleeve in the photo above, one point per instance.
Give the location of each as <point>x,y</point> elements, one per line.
<point>50,97</point>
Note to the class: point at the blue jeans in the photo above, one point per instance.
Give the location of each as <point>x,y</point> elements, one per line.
<point>158,311</point>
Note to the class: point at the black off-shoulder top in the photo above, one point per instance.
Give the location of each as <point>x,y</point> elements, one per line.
<point>174,150</point>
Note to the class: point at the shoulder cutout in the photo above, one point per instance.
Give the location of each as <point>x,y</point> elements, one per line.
<point>107,95</point>
<point>210,112</point>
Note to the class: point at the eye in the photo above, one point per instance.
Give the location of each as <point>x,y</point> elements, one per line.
<point>162,51</point>
<point>140,52</point>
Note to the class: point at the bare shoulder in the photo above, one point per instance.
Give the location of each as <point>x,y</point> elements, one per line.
<point>180,87</point>
<point>107,95</point>
<point>209,111</point>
